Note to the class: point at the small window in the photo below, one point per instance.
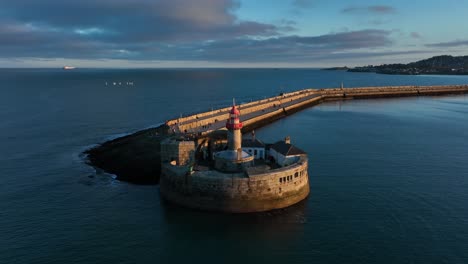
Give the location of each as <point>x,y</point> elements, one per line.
<point>255,152</point>
<point>296,174</point>
<point>281,180</point>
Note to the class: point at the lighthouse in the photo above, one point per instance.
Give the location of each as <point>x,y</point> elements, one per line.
<point>234,126</point>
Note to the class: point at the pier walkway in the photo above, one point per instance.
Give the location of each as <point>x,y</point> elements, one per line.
<point>257,112</point>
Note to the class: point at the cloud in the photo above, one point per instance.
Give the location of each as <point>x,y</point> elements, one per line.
<point>374,9</point>
<point>450,44</point>
<point>381,9</point>
<point>143,20</point>
<point>378,21</point>
<point>164,30</point>
<point>415,35</point>
<point>96,42</point>
<point>290,48</point>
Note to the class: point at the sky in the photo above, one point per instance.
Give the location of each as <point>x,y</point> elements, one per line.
<point>228,33</point>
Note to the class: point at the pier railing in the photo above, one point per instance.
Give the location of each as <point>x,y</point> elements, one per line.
<point>284,103</point>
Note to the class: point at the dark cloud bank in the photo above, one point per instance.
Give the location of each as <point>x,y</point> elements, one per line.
<point>165,30</point>
<point>450,44</point>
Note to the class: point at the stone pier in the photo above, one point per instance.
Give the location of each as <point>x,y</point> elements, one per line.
<point>136,157</point>
<point>256,114</point>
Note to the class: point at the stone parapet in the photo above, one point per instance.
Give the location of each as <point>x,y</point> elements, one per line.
<point>237,192</point>
<point>263,110</point>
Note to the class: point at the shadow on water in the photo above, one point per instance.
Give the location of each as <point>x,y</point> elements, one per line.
<point>293,214</point>
<point>247,235</point>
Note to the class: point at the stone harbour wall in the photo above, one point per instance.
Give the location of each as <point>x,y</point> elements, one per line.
<point>182,152</point>
<point>237,193</point>
<point>192,122</point>
<point>262,111</point>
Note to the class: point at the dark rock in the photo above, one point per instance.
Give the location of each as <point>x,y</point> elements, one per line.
<point>134,158</point>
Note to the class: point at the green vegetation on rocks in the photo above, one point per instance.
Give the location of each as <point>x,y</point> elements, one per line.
<point>436,65</point>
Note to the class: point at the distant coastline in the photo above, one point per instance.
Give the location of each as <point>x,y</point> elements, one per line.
<point>344,68</point>
<point>439,65</point>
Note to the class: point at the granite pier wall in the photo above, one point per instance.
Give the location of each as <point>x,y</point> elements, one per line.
<point>391,91</point>
<point>259,113</point>
<point>136,157</point>
<point>236,193</point>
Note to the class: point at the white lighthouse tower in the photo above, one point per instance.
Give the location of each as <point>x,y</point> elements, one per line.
<point>234,126</point>
<point>233,159</point>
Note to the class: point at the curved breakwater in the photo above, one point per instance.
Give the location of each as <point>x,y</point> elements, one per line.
<point>136,157</point>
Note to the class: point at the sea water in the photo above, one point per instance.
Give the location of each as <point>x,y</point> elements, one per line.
<point>388,177</point>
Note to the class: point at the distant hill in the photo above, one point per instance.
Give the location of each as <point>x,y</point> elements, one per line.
<point>344,68</point>
<point>444,64</point>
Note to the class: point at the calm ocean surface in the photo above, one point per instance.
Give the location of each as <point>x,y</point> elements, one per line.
<point>389,177</point>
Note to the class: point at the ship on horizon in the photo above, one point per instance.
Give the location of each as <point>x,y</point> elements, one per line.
<point>69,67</point>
